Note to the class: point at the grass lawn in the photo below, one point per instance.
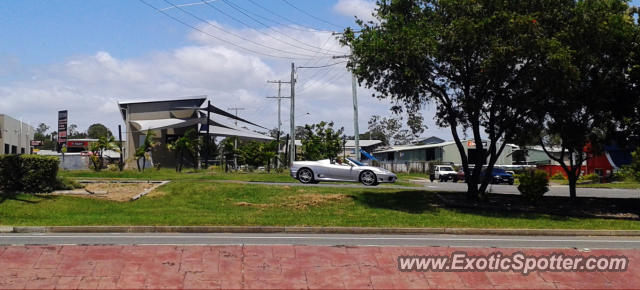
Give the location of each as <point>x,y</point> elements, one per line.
<point>616,184</point>
<point>190,174</point>
<point>200,202</point>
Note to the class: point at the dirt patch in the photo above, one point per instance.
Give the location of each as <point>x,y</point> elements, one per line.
<point>116,191</point>
<point>302,201</point>
<point>260,205</point>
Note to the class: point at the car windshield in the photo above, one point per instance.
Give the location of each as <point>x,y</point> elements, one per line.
<point>498,170</point>
<point>446,168</point>
<point>355,162</point>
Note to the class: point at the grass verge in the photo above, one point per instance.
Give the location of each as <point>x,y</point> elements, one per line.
<point>190,174</point>
<point>189,202</point>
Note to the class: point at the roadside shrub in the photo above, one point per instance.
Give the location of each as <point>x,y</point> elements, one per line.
<point>533,185</point>
<point>10,172</point>
<point>63,183</point>
<point>28,173</point>
<point>39,173</point>
<point>590,177</point>
<point>558,176</point>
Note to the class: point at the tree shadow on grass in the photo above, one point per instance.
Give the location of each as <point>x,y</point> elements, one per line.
<point>410,201</point>
<point>14,195</point>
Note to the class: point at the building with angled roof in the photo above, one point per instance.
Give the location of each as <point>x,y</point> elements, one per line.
<point>168,120</point>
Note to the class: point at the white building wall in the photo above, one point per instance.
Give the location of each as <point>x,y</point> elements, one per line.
<point>15,133</point>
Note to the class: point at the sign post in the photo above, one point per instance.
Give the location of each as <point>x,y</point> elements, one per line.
<point>62,128</point>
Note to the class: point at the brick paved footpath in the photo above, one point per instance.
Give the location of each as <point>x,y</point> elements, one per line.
<point>262,267</point>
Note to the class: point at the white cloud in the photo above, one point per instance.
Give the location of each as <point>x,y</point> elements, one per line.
<point>89,86</point>
<point>362,9</point>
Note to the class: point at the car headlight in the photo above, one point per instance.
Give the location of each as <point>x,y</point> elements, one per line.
<point>497,176</point>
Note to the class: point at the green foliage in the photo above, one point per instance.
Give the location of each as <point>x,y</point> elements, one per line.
<point>98,130</point>
<point>39,173</point>
<point>144,149</point>
<point>258,154</point>
<point>189,144</point>
<point>592,177</point>
<point>64,183</point>
<point>558,176</point>
<point>10,172</point>
<point>97,150</point>
<point>533,185</point>
<point>321,141</point>
<point>28,173</point>
<point>478,62</point>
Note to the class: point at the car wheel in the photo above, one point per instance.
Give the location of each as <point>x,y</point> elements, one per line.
<point>305,175</point>
<point>455,179</point>
<point>368,178</point>
<point>431,178</point>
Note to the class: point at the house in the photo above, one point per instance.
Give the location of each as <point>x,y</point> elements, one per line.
<point>441,152</point>
<point>15,136</point>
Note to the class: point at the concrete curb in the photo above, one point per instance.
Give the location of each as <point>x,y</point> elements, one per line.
<point>314,230</point>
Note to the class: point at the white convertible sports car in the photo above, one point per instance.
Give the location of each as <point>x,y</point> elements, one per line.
<point>350,170</point>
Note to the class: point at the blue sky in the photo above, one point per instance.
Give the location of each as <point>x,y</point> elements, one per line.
<point>86,55</point>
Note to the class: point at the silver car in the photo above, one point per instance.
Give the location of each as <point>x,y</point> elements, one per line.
<point>350,170</point>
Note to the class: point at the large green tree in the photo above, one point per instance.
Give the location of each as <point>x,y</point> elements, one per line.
<point>592,92</point>
<point>477,60</point>
<point>321,141</point>
<point>98,130</point>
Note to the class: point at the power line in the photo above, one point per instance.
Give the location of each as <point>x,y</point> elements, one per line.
<point>216,37</point>
<point>234,34</point>
<point>247,25</point>
<point>311,15</point>
<point>285,18</point>
<point>239,9</point>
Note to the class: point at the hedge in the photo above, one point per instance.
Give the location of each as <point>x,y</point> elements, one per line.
<point>28,173</point>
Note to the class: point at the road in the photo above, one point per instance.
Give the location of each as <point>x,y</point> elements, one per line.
<point>437,240</point>
<point>554,190</point>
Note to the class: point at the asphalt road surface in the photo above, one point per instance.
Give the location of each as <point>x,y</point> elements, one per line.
<point>555,190</point>
<point>321,239</point>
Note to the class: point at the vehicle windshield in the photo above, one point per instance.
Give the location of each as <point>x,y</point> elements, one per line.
<point>355,161</point>
<point>445,168</point>
<point>499,170</point>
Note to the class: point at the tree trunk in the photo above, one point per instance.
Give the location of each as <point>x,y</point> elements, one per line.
<point>572,184</point>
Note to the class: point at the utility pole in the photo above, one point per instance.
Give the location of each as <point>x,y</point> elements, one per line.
<point>235,141</point>
<point>354,91</point>
<point>292,151</point>
<point>279,97</point>
<point>207,138</point>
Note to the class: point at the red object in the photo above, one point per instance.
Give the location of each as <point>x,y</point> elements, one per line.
<point>555,169</point>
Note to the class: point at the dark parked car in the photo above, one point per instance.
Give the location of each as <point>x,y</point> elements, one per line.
<point>498,176</point>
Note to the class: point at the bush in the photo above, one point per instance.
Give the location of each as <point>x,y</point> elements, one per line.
<point>63,183</point>
<point>590,177</point>
<point>533,185</point>
<point>28,173</point>
<point>10,172</point>
<point>558,176</point>
<point>39,173</point>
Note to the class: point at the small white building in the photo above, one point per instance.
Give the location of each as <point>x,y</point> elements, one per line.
<point>15,135</point>
<point>443,152</point>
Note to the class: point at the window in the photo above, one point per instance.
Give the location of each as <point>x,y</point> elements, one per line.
<point>22,150</point>
<point>6,149</point>
<point>14,149</point>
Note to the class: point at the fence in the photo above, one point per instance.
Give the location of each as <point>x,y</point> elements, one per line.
<point>406,166</point>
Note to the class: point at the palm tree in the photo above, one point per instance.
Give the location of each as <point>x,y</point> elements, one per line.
<point>144,149</point>
<point>97,150</point>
